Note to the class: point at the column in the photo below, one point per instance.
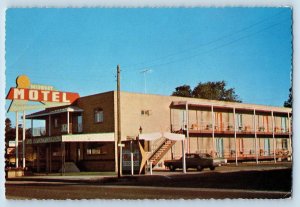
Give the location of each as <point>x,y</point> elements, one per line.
<point>17,140</point>
<point>213,129</point>
<point>38,157</point>
<point>116,154</point>
<point>187,126</point>
<point>49,126</point>
<point>31,128</point>
<point>68,121</point>
<point>171,123</point>
<point>23,141</point>
<point>235,147</point>
<point>273,135</point>
<point>183,157</point>
<point>290,133</point>
<point>255,136</point>
<point>47,160</point>
<point>62,158</point>
<point>120,158</point>
<point>50,157</point>
<point>131,159</point>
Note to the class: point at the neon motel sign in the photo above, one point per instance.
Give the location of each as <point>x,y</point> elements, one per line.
<point>26,91</point>
<point>41,95</point>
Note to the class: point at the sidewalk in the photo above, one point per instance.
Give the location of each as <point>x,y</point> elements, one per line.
<point>61,178</point>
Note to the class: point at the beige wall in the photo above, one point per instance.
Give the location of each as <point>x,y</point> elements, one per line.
<point>160,114</point>
<point>132,119</point>
<point>159,119</point>
<point>89,104</point>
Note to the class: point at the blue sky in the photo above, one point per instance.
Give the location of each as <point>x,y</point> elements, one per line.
<point>77,50</point>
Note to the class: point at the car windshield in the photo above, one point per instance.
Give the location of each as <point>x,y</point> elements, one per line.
<point>205,155</point>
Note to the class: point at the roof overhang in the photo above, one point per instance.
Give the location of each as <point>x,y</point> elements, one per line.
<point>44,113</point>
<point>231,106</point>
<point>157,135</point>
<point>94,137</point>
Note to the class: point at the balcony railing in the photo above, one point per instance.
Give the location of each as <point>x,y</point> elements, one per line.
<point>64,128</point>
<point>228,127</point>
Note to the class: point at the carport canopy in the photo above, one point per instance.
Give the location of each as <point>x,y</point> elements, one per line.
<point>168,135</point>
<point>158,135</point>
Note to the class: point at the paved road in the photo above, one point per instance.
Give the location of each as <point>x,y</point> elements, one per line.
<point>75,191</point>
<point>265,181</point>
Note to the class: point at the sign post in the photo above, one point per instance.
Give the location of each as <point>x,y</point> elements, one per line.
<point>17,140</point>
<point>23,142</point>
<point>120,166</point>
<point>131,157</point>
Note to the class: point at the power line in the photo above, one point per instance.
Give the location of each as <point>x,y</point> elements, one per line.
<point>215,48</point>
<point>208,43</point>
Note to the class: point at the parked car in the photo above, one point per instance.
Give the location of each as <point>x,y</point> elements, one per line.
<point>218,161</point>
<point>193,160</point>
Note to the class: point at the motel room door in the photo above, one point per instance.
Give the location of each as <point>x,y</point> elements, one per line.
<point>267,147</point>
<point>182,119</point>
<point>220,147</point>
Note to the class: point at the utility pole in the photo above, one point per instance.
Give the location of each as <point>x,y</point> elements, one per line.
<point>119,123</point>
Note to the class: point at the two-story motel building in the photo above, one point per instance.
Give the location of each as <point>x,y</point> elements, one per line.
<point>85,132</point>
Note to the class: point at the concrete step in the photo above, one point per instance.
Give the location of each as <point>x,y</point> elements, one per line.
<point>70,167</point>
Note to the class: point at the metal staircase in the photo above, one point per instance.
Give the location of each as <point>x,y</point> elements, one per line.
<point>160,151</point>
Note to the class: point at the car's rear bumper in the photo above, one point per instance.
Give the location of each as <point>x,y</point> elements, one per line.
<point>219,162</point>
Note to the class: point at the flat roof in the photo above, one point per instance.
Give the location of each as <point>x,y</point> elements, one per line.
<point>236,107</point>
<point>175,101</point>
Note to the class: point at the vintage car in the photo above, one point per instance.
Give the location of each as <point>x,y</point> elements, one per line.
<point>193,160</point>
<point>218,161</point>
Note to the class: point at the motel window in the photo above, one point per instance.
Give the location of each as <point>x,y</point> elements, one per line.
<point>284,144</point>
<point>146,112</point>
<point>283,124</point>
<point>239,121</point>
<point>94,149</point>
<point>56,123</point>
<point>98,115</point>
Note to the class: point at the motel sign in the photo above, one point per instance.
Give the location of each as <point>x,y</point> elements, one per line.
<point>41,95</point>
<point>25,92</point>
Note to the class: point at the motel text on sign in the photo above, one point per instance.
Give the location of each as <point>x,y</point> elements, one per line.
<point>41,95</point>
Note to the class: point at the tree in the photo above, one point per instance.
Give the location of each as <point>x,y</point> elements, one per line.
<point>289,102</point>
<point>9,132</point>
<point>7,124</point>
<point>215,91</point>
<point>184,91</point>
<point>9,136</point>
<point>209,90</point>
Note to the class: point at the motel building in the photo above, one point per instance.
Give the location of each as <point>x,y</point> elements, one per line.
<point>82,135</point>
